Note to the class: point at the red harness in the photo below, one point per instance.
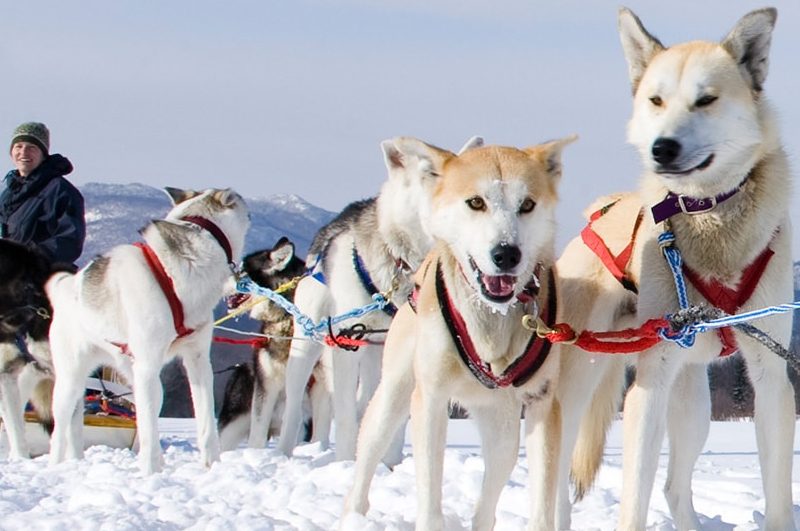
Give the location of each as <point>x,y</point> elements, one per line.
<point>616,265</point>
<point>165,281</point>
<point>728,299</point>
<point>167,287</point>
<point>718,295</point>
<point>523,367</point>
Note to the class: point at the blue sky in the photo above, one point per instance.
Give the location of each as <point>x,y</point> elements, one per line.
<point>295,96</point>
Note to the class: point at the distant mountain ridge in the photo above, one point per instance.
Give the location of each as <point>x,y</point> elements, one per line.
<point>116,212</point>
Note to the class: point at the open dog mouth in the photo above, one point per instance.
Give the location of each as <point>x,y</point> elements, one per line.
<point>496,288</point>
<point>668,170</point>
<point>236,300</point>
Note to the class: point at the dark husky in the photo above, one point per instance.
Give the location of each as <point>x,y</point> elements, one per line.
<point>26,369</point>
<point>255,390</point>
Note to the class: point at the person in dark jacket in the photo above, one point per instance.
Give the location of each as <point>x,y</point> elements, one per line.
<point>39,206</point>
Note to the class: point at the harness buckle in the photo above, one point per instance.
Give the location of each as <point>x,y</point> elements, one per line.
<point>682,203</point>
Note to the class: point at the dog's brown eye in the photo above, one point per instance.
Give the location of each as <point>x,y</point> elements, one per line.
<point>657,101</point>
<point>527,206</point>
<point>476,203</point>
<point>705,101</point>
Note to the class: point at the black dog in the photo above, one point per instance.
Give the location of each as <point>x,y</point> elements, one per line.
<point>26,371</point>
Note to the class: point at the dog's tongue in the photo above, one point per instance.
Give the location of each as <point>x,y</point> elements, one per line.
<point>234,301</point>
<point>500,285</point>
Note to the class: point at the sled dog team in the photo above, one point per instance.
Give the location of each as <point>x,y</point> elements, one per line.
<point>463,247</point>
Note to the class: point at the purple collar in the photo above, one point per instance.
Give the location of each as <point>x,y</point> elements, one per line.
<point>677,203</point>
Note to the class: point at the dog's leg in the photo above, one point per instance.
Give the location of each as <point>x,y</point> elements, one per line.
<point>644,423</point>
<point>384,416</point>
<point>369,373</point>
<point>11,412</point>
<point>201,383</point>
<point>687,429</point>
<point>321,409</point>
<point>264,402</point>
<point>542,444</point>
<point>499,429</point>
<point>149,395</point>
<point>775,422</point>
<point>313,298</point>
<point>354,373</point>
<point>302,358</point>
<point>67,439</point>
<point>429,436</point>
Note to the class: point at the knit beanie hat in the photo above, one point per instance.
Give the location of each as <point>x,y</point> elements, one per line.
<point>35,133</point>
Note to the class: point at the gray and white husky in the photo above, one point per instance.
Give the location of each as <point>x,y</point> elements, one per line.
<point>120,311</point>
<point>373,246</point>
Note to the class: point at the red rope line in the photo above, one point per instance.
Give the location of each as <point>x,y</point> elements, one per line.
<point>259,342</point>
<point>342,341</point>
<point>628,341</point>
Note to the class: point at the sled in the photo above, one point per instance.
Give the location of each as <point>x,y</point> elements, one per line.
<point>111,424</point>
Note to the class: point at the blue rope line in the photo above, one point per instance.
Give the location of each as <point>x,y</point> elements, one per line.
<point>309,328</point>
<point>731,320</point>
<point>686,336</point>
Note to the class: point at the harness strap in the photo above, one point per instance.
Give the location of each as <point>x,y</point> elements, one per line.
<point>616,265</point>
<point>363,275</point>
<point>167,287</point>
<point>522,368</point>
<point>728,299</point>
<point>215,231</point>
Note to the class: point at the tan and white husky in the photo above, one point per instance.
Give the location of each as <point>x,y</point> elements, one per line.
<point>715,174</point>
<point>493,219</point>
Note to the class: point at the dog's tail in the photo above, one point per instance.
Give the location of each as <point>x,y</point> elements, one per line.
<point>42,399</point>
<point>588,453</point>
<point>59,287</point>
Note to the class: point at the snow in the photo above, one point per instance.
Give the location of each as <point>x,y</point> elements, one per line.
<point>262,489</point>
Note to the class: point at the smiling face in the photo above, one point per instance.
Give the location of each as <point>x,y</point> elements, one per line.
<point>695,122</point>
<point>26,157</point>
<point>495,209</point>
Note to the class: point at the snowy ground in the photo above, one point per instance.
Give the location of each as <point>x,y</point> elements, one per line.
<point>260,489</point>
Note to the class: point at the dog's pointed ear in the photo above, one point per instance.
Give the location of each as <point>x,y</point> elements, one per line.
<point>409,154</point>
<point>749,42</point>
<point>638,45</point>
<point>549,154</point>
<point>281,254</point>
<point>226,197</point>
<point>472,143</point>
<point>178,196</point>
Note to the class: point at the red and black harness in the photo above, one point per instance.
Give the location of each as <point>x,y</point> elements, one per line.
<point>166,283</point>
<point>526,364</point>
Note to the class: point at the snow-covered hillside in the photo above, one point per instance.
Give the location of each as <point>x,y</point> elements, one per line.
<point>115,213</point>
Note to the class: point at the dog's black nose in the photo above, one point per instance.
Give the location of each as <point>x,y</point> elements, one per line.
<point>666,150</point>
<point>505,256</point>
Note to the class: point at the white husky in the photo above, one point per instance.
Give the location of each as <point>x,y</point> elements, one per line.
<point>493,216</point>
<point>121,311</point>
<point>371,246</point>
<point>716,175</point>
